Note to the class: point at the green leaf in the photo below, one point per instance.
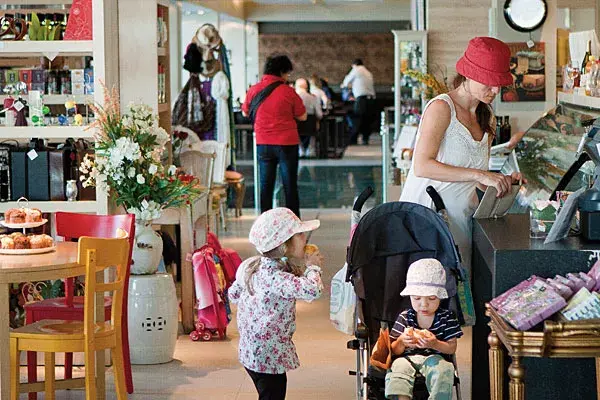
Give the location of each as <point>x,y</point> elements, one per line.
<point>34,27</point>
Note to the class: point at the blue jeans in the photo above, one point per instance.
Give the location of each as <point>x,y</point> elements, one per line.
<point>269,156</point>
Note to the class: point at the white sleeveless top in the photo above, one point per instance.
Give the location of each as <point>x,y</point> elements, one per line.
<point>459,149</point>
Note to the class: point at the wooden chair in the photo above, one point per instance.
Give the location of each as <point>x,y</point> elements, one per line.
<point>87,336</point>
<point>218,190</point>
<point>72,226</point>
<point>201,165</point>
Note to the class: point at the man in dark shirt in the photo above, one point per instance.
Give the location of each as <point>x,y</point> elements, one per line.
<point>422,334</point>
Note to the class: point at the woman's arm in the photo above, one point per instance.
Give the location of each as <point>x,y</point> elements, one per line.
<point>433,127</point>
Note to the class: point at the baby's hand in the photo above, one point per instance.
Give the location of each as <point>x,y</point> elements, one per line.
<point>427,340</point>
<point>408,339</point>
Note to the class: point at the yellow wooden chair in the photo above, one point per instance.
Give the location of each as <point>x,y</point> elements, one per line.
<point>89,336</point>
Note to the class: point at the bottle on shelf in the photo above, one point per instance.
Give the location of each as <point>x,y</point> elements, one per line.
<point>587,56</point>
<point>588,73</point>
<point>506,130</point>
<point>498,130</point>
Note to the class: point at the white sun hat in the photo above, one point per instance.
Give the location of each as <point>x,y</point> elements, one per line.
<point>274,227</point>
<point>426,277</point>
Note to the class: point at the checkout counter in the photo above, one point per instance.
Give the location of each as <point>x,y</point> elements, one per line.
<point>504,255</point>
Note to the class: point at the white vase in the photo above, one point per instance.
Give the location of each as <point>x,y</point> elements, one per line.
<point>147,249</point>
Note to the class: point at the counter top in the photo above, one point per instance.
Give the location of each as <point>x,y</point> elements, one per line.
<point>511,233</point>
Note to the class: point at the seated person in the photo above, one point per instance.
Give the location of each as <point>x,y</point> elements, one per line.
<point>314,115</point>
<point>421,334</point>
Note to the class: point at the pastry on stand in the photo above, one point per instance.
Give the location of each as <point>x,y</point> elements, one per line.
<point>22,243</point>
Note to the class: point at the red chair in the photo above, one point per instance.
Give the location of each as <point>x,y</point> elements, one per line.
<point>72,226</point>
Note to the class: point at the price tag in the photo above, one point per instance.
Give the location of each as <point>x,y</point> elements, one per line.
<point>32,154</point>
<point>51,55</point>
<point>17,105</point>
<point>530,43</point>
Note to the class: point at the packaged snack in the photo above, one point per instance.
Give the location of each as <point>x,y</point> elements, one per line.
<point>499,301</point>
<point>590,282</point>
<point>584,305</point>
<point>565,281</point>
<point>563,290</point>
<point>579,283</point>
<point>527,307</point>
<point>595,273</point>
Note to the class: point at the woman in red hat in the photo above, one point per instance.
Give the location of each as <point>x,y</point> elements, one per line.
<point>454,138</point>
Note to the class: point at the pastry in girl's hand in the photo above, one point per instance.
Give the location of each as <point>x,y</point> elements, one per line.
<point>22,242</point>
<point>7,243</point>
<point>310,249</point>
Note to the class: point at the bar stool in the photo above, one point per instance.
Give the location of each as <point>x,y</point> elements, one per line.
<point>236,182</point>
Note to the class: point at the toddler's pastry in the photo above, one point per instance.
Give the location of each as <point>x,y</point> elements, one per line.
<point>22,242</point>
<point>7,243</point>
<point>33,215</point>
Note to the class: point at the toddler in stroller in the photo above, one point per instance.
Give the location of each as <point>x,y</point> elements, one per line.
<point>421,334</point>
<point>386,241</point>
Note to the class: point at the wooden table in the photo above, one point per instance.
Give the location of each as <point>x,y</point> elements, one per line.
<point>576,339</point>
<point>59,264</point>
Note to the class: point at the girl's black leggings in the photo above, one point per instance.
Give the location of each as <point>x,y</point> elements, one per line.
<point>269,386</point>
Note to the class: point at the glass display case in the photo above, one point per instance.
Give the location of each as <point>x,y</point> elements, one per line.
<point>410,53</point>
<point>549,148</point>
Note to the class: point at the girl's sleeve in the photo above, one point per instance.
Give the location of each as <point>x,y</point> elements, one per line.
<point>308,287</point>
<point>239,285</point>
<point>234,292</point>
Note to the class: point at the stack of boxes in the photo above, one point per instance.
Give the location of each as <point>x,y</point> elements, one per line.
<point>51,82</point>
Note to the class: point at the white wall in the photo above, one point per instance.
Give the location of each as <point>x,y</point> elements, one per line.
<point>524,114</point>
<point>387,10</point>
<point>233,33</point>
<point>252,66</point>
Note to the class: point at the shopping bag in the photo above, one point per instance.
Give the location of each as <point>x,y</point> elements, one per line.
<point>465,302</point>
<point>382,352</point>
<point>342,306</point>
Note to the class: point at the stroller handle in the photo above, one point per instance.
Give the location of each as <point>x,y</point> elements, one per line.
<point>437,199</point>
<point>362,198</point>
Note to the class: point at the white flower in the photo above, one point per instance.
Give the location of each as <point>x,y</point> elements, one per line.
<point>152,169</point>
<point>140,179</point>
<point>172,170</point>
<point>131,172</point>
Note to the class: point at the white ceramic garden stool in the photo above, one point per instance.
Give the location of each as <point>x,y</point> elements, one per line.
<point>153,318</point>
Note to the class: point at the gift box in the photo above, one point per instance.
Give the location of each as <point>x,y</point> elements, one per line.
<point>77,75</point>
<point>38,76</point>
<point>530,304</point>
<point>12,76</point>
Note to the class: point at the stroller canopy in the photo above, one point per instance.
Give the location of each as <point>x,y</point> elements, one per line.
<point>387,240</point>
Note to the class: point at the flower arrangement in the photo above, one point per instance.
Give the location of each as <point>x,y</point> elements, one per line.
<point>431,85</point>
<point>128,161</point>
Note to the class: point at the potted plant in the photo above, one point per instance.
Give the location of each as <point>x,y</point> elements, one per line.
<point>128,164</point>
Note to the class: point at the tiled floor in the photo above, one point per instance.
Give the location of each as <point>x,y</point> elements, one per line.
<point>210,370</point>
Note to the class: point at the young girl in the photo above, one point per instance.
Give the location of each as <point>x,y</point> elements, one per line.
<point>266,289</point>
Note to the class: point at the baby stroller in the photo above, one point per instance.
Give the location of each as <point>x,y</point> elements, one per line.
<point>385,242</point>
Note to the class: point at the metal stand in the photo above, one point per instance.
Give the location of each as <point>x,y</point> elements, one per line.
<point>256,177</point>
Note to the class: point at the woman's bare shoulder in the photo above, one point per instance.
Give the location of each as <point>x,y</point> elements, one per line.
<point>438,112</point>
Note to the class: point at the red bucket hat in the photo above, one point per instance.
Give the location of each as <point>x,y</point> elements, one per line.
<point>487,61</point>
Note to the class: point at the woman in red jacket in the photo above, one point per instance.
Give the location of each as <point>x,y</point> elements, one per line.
<point>277,136</point>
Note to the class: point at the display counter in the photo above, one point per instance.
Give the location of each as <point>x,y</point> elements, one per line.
<point>503,256</point>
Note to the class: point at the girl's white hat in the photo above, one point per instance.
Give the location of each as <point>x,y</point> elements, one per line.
<point>274,227</point>
<point>426,277</point>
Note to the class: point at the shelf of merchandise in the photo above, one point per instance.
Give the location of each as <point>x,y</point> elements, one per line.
<point>579,100</point>
<point>23,48</point>
<point>45,132</point>
<point>60,99</point>
<point>83,206</point>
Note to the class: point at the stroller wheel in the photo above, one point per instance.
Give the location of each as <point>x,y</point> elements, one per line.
<point>195,336</point>
<point>200,326</point>
<point>206,336</point>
